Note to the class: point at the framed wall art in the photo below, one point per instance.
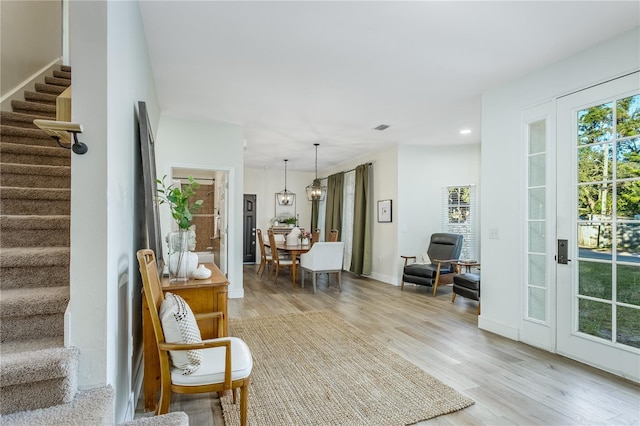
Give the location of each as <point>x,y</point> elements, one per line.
<point>384,211</point>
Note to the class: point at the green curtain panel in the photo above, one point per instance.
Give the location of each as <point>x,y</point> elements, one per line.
<point>333,219</point>
<point>361,250</point>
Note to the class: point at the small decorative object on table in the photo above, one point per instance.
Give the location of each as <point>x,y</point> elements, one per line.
<point>305,238</point>
<point>201,273</point>
<point>181,264</point>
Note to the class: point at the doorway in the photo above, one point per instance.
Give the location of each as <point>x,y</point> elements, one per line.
<point>598,226</point>
<point>249,229</point>
<point>210,220</point>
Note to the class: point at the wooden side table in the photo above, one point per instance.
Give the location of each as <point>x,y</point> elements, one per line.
<point>467,264</point>
<point>203,296</point>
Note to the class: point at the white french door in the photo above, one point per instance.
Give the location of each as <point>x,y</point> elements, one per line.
<point>598,222</point>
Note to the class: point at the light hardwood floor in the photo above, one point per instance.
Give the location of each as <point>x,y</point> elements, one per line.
<point>511,382</point>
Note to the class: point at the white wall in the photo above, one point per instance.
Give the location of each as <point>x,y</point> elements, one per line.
<point>265,183</point>
<point>30,42</point>
<point>111,72</point>
<point>503,174</point>
<point>210,146</point>
<point>422,172</point>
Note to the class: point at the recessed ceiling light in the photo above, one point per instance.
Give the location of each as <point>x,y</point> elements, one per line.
<point>465,131</point>
<point>381,127</point>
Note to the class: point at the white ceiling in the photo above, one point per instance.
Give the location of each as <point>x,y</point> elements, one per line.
<point>296,73</point>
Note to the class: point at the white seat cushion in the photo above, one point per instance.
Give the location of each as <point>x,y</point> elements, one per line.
<point>212,367</point>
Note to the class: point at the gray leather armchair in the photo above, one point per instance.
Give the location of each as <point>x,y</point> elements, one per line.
<point>443,249</point>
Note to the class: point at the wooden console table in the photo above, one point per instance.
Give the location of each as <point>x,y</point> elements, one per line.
<point>203,296</point>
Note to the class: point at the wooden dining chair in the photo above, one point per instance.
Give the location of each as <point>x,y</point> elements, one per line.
<point>265,257</point>
<point>220,364</point>
<point>333,235</point>
<point>315,236</point>
<point>277,261</point>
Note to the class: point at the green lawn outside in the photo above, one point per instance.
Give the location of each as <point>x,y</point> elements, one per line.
<point>595,318</point>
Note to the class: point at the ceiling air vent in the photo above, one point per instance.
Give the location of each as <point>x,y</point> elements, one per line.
<point>381,127</point>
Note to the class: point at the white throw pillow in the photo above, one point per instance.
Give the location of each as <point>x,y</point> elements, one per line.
<point>179,326</point>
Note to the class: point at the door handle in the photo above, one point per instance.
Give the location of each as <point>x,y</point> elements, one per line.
<point>563,252</point>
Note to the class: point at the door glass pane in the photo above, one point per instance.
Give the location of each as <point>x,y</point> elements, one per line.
<point>629,243</point>
<point>628,200</point>
<point>536,237</point>
<point>594,318</point>
<point>594,279</point>
<point>628,159</point>
<point>628,280</point>
<point>594,240</point>
<point>628,326</point>
<point>595,163</point>
<point>594,201</point>
<point>537,137</point>
<point>537,203</point>
<point>537,170</point>
<point>537,270</point>
<point>536,219</point>
<point>595,124</point>
<point>536,303</point>
<point>628,116</point>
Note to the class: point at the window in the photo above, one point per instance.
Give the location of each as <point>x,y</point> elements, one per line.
<point>347,217</point>
<point>460,217</point>
<point>536,275</point>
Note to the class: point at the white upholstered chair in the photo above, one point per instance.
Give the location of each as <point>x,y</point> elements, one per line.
<point>323,257</point>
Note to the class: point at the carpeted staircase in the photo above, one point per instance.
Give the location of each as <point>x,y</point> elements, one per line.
<point>38,375</point>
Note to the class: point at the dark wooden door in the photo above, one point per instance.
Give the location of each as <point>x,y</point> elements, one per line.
<point>249,234</point>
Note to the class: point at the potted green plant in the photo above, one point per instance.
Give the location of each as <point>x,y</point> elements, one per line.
<point>179,200</point>
<point>291,221</point>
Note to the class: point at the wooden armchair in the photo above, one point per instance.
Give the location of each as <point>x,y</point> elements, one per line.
<point>226,362</point>
<point>444,248</point>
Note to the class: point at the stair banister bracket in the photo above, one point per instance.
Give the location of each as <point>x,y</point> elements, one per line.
<point>60,131</point>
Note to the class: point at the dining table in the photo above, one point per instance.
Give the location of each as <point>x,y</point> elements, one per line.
<point>294,250</point>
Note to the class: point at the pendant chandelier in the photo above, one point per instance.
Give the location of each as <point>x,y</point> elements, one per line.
<point>315,191</point>
<point>284,197</point>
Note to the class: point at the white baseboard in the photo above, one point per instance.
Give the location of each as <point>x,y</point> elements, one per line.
<point>236,293</point>
<point>498,328</point>
<point>388,279</point>
<point>29,84</point>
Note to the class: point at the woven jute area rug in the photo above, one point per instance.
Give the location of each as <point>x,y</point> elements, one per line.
<point>315,369</point>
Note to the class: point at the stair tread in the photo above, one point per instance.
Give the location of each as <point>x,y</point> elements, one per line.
<point>33,106</point>
<point>57,81</point>
<point>34,256</point>
<point>90,407</point>
<point>19,117</point>
<point>14,192</point>
<point>39,97</point>
<point>24,302</point>
<point>35,169</point>
<point>35,221</point>
<point>49,88</point>
<point>48,151</point>
<point>23,132</point>
<point>44,363</point>
<point>22,346</point>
